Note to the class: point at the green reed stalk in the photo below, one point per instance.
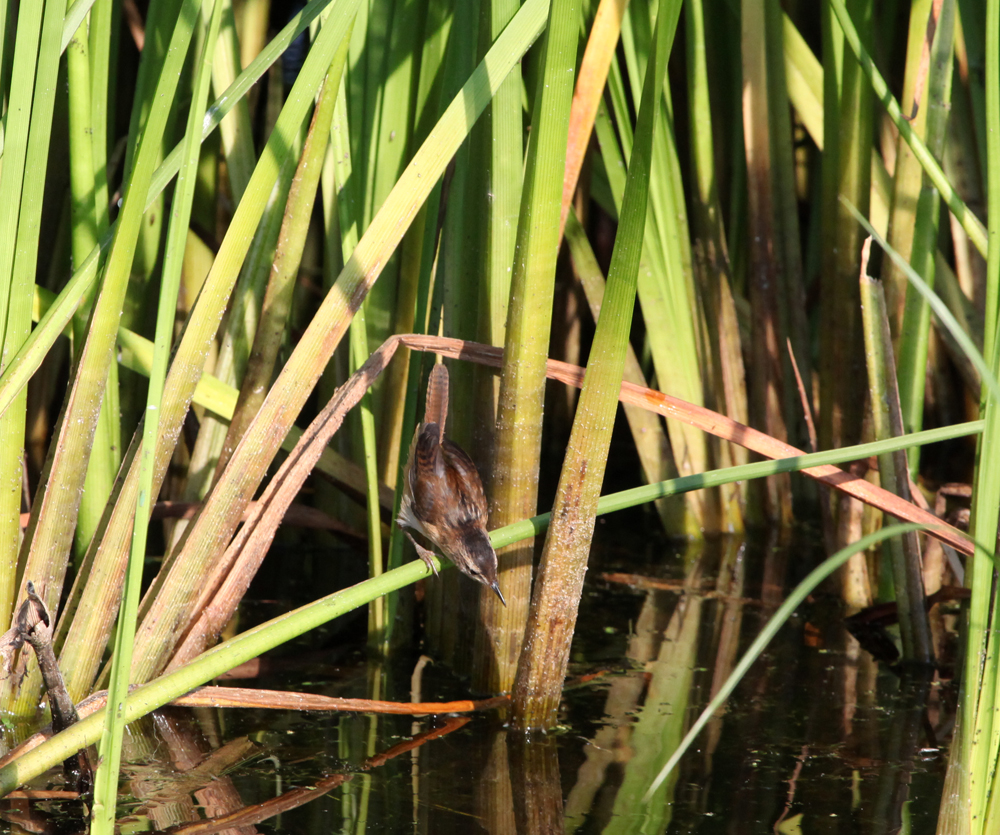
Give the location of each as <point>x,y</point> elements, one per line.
<point>462,239</point>
<point>236,337</point>
<point>27,127</point>
<point>794,319</point>
<point>804,79</point>
<point>239,331</point>
<point>389,139</point>
<point>840,332</point>
<point>462,236</point>
<point>367,445</point>
<point>846,169</point>
<point>88,216</point>
<point>99,49</point>
<point>109,750</point>
<point>382,123</point>
<point>923,223</point>
<point>766,259</point>
<point>501,135</point>
<point>254,21</point>
<point>648,435</point>
<point>287,260</point>
<point>514,478</point>
<point>559,585</point>
<point>908,174</point>
<point>235,130</point>
<point>137,300</point>
<point>348,207</point>
<point>980,740</point>
<point>711,261</point>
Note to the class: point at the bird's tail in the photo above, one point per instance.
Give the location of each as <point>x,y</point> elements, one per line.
<point>436,410</point>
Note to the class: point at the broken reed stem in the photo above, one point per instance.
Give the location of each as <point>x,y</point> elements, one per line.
<point>887,422</point>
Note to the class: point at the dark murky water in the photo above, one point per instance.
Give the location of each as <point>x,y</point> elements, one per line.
<point>817,738</point>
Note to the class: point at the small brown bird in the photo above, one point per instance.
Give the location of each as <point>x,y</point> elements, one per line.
<point>443,496</point>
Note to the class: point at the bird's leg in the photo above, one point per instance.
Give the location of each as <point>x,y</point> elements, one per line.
<point>423,553</point>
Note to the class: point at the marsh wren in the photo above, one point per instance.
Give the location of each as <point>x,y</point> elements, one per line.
<point>443,496</point>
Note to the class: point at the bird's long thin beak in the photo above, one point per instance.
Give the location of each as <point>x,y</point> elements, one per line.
<point>496,588</point>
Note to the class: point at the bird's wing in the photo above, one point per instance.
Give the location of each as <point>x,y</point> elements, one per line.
<point>465,484</point>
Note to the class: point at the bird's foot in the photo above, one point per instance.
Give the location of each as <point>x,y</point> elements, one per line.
<point>424,554</point>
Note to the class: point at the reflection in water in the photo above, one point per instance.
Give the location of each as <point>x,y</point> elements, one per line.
<point>816,736</point>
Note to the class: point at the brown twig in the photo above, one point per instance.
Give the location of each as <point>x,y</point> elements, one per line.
<point>245,697</point>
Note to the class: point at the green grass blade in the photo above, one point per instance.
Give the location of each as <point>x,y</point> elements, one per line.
<point>648,434</point>
<point>286,261</point>
<point>931,123</point>
<point>348,208</point>
<point>101,100</point>
<point>74,17</point>
<point>887,421</point>
<point>785,611</point>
